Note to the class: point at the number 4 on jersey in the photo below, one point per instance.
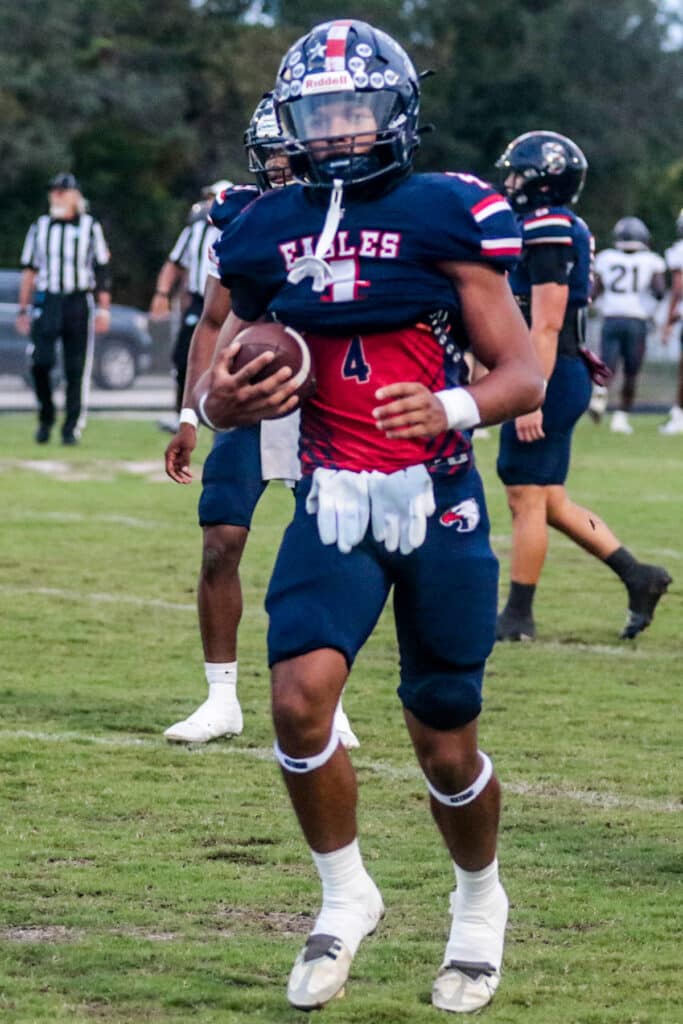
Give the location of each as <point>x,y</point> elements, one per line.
<point>354,363</point>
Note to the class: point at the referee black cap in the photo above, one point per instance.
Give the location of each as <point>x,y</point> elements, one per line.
<point>64,180</point>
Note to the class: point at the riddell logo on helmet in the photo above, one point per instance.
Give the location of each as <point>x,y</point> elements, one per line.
<point>327,81</point>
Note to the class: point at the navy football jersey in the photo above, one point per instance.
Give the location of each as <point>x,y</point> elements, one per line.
<point>569,235</point>
<point>229,203</point>
<point>383,258</point>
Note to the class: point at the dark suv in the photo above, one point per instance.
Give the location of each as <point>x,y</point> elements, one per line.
<point>120,354</point>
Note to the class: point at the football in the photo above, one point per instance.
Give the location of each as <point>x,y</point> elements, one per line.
<point>289,349</point>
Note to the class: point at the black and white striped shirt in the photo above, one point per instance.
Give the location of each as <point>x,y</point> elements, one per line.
<point>68,255</point>
<point>193,252</point>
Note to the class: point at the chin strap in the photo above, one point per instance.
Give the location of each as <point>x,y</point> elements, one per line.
<point>314,266</point>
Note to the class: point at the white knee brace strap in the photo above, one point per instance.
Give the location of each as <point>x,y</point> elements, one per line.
<point>300,765</point>
<point>472,791</point>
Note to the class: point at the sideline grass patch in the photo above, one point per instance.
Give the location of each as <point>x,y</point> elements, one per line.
<point>146,882</point>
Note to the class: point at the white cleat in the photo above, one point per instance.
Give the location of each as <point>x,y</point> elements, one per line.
<point>620,423</point>
<point>344,731</point>
<point>322,967</point>
<point>597,407</point>
<point>463,987</point>
<point>209,722</point>
<point>319,973</point>
<point>468,982</point>
<point>674,424</point>
<point>169,424</point>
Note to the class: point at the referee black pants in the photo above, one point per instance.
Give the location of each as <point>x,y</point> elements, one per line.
<point>67,317</point>
<point>181,349</point>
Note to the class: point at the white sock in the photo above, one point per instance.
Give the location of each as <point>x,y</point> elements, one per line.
<point>345,895</point>
<point>222,680</point>
<point>479,907</point>
<point>475,888</point>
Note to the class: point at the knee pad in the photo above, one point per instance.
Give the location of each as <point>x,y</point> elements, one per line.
<point>302,765</point>
<point>445,700</point>
<point>471,792</point>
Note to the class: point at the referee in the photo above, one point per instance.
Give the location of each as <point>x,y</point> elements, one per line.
<point>64,260</point>
<point>189,259</point>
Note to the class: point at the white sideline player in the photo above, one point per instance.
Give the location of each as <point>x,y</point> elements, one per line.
<point>674,261</point>
<point>629,279</point>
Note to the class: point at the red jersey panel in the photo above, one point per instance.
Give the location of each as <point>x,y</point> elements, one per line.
<point>338,430</point>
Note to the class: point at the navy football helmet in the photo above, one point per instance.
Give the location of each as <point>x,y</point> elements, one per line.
<point>347,96</point>
<point>631,233</point>
<point>264,145</point>
<point>542,169</point>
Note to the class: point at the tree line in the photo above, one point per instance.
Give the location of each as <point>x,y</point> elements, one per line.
<point>148,101</point>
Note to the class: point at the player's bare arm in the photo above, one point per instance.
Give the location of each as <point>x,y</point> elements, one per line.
<point>230,399</point>
<point>674,301</point>
<point>548,307</point>
<point>500,340</point>
<point>26,288</point>
<point>202,347</point>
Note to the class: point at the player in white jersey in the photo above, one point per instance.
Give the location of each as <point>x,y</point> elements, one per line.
<point>630,279</point>
<point>674,261</point>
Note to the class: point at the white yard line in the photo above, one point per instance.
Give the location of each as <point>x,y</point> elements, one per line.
<point>79,517</point>
<point>621,650</point>
<point>76,595</point>
<point>404,773</point>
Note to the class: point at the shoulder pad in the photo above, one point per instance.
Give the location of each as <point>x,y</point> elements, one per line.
<point>230,202</point>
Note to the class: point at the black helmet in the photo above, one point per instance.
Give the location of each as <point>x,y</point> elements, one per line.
<point>631,233</point>
<point>261,139</point>
<point>347,73</point>
<point>549,170</point>
<point>63,180</point>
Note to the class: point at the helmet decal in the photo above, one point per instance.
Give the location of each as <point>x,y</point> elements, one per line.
<point>554,157</point>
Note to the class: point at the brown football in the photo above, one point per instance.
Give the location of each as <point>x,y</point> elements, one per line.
<point>289,349</point>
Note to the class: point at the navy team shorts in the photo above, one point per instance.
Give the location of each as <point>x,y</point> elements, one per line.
<point>623,339</point>
<point>546,462</point>
<point>231,481</point>
<point>444,600</point>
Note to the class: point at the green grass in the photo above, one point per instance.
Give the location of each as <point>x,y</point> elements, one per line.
<point>145,882</point>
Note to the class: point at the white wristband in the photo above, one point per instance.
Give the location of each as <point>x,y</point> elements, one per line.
<point>188,415</point>
<point>462,412</point>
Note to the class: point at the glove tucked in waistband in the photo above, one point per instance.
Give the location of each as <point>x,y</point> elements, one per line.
<point>397,504</point>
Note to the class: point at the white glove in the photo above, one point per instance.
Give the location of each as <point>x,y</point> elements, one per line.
<point>400,504</point>
<point>340,500</point>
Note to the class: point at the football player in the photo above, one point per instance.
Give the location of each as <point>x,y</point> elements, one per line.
<point>543,175</point>
<point>629,281</point>
<point>236,471</point>
<point>674,261</point>
<point>391,276</point>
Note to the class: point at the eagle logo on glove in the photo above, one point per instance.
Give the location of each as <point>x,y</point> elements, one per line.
<point>464,516</point>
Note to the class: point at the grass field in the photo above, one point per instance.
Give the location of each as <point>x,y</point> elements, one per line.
<point>146,882</point>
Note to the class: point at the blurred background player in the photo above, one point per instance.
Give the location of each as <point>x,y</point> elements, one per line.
<point>674,261</point>
<point>236,472</point>
<point>543,174</point>
<point>65,260</point>
<point>629,281</point>
<point>391,276</point>
<point>188,262</point>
